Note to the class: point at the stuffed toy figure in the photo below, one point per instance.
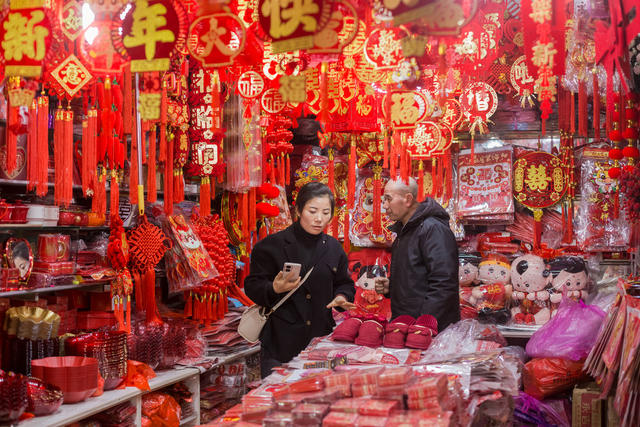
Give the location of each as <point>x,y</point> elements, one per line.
<point>571,280</point>
<point>467,279</point>
<point>531,280</point>
<point>491,296</point>
<point>367,300</point>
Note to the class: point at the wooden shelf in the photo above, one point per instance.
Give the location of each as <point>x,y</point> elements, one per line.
<point>50,289</point>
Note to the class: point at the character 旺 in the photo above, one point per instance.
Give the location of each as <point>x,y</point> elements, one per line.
<point>491,296</point>
<point>531,279</point>
<point>571,279</point>
<point>467,279</point>
<point>367,300</point>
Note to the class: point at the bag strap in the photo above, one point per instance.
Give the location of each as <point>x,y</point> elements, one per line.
<point>286,297</point>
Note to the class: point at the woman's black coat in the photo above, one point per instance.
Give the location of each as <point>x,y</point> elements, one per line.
<point>304,315</point>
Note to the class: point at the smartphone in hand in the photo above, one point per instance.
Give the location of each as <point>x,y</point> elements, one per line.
<point>291,271</point>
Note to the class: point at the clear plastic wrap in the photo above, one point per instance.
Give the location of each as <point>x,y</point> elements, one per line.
<point>366,265</point>
<point>601,224</point>
<point>361,223</point>
<point>187,263</point>
<point>309,414</point>
<point>548,376</point>
<point>464,337</point>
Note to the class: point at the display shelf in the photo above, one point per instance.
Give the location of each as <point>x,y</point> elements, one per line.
<point>54,227</point>
<point>74,412</point>
<point>172,376</point>
<point>222,360</point>
<point>50,289</point>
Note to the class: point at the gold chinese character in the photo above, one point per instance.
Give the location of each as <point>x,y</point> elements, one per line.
<point>292,88</point>
<point>403,108</point>
<point>212,38</point>
<point>543,54</point>
<point>537,179</point>
<point>287,15</point>
<point>145,28</point>
<point>23,37</point>
<point>540,11</point>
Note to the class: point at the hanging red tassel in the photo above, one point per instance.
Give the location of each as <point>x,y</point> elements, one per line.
<point>377,200</point>
<point>572,117</point>
<point>162,152</point>
<point>346,244</point>
<point>99,201</point>
<point>324,95</point>
<point>127,102</point>
<point>252,209</point>
<point>596,107</point>
<point>421,194</point>
<point>335,225</point>
<point>42,147</point>
<point>288,170</point>
<point>385,150</point>
<point>133,165</point>
<point>448,176</point>
<point>272,171</point>
<point>168,179</point>
<point>151,168</point>
<point>351,180</point>
<point>205,196</point>
<point>32,145</point>
<point>13,124</point>
<point>262,232</point>
<point>582,110</point>
<point>114,204</point>
<point>331,171</point>
<point>244,214</point>
<point>405,160</point>
<point>149,295</point>
<point>393,155</point>
<point>537,227</point>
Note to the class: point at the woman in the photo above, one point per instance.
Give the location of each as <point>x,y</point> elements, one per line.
<point>307,313</point>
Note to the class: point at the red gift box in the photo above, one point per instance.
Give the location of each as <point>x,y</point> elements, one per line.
<point>379,408</point>
<point>9,279</point>
<point>340,419</point>
<point>95,319</point>
<point>101,301</point>
<point>59,268</point>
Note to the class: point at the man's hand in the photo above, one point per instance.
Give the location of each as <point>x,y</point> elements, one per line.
<point>341,302</point>
<point>282,285</point>
<point>382,285</point>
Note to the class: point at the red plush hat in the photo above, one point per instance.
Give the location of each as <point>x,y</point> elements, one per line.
<point>495,258</point>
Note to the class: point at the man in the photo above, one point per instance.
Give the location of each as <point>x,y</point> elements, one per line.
<point>424,257</point>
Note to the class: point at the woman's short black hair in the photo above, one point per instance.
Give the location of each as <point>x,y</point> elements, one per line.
<point>311,190</point>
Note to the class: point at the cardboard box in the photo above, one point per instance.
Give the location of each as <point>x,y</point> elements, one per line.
<point>588,408</point>
<point>613,420</point>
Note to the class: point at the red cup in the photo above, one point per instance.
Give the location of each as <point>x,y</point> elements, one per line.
<point>53,247</point>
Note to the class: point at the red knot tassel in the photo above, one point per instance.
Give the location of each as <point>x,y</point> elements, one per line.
<point>331,172</point>
<point>133,173</point>
<point>162,152</point>
<point>99,201</point>
<point>385,150</point>
<point>351,181</point>
<point>127,102</point>
<point>42,159</point>
<point>421,194</point>
<point>596,107</point>
<point>582,110</point>
<point>168,179</point>
<point>324,96</point>
<point>572,117</point>
<point>152,195</point>
<point>346,244</point>
<point>13,124</point>
<point>149,294</point>
<point>244,214</point>
<point>393,155</point>
<point>377,200</point>
<point>287,170</point>
<point>205,196</point>
<point>32,145</point>
<point>252,209</point>
<point>114,202</point>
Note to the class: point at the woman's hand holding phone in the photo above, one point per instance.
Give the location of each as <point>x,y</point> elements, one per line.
<point>283,283</point>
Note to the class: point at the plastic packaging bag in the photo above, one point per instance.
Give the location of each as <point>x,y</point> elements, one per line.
<point>546,377</point>
<point>465,337</point>
<point>570,334</point>
<point>529,411</point>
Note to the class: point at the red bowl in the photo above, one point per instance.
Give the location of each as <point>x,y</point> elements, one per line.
<point>78,396</point>
<point>70,373</point>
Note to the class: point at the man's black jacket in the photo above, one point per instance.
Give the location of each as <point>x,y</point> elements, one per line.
<point>304,315</point>
<point>424,266</point>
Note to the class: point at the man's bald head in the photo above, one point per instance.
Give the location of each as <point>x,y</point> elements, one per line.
<point>400,199</point>
<point>399,186</point>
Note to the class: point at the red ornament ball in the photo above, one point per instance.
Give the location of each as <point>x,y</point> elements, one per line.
<point>615,154</point>
<point>630,151</point>
<point>614,173</point>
